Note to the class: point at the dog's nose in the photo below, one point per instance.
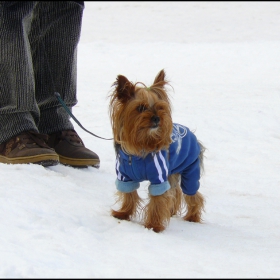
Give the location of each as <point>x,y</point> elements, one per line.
<point>155,120</point>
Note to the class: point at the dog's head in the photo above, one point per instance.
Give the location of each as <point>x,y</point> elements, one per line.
<point>141,116</point>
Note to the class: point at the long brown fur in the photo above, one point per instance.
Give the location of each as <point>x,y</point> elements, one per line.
<point>195,205</point>
<point>157,212</point>
<point>130,205</point>
<point>177,194</point>
<point>135,111</point>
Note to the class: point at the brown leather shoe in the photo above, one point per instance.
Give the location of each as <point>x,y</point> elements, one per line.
<point>71,149</point>
<point>28,147</point>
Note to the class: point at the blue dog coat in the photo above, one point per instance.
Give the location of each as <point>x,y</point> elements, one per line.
<point>181,157</point>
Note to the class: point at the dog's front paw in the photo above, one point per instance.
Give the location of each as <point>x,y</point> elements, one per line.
<point>120,215</point>
<point>155,228</point>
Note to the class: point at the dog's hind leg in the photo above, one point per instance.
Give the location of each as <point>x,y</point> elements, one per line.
<point>195,204</point>
<point>177,194</point>
<point>130,202</point>
<point>157,212</point>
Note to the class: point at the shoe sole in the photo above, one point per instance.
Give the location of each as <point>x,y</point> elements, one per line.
<point>45,160</point>
<point>79,163</point>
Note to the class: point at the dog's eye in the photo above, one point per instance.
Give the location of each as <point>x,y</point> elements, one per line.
<point>141,108</point>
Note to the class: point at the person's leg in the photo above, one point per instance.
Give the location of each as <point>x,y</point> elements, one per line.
<point>18,107</point>
<point>54,39</point>
<point>20,141</point>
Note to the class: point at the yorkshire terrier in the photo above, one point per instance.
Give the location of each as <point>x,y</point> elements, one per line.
<point>150,147</point>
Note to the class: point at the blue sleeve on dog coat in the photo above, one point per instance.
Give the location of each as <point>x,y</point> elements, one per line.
<point>159,189</point>
<point>190,178</point>
<point>127,187</point>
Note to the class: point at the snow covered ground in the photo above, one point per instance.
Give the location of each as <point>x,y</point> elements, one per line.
<point>223,61</point>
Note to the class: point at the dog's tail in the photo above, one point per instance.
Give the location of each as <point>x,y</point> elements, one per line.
<point>201,157</point>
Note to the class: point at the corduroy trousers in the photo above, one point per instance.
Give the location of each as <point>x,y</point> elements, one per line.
<point>38,57</point>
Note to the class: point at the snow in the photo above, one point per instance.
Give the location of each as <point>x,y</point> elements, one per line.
<point>223,61</point>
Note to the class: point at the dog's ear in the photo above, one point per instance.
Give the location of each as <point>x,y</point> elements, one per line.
<point>160,79</point>
<point>124,89</point>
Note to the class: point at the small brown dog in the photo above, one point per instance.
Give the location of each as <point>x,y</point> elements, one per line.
<point>150,147</point>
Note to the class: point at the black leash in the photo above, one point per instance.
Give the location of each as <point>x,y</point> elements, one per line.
<point>69,112</point>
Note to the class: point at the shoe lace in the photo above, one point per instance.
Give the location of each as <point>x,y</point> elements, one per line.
<point>71,135</point>
<point>30,137</point>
